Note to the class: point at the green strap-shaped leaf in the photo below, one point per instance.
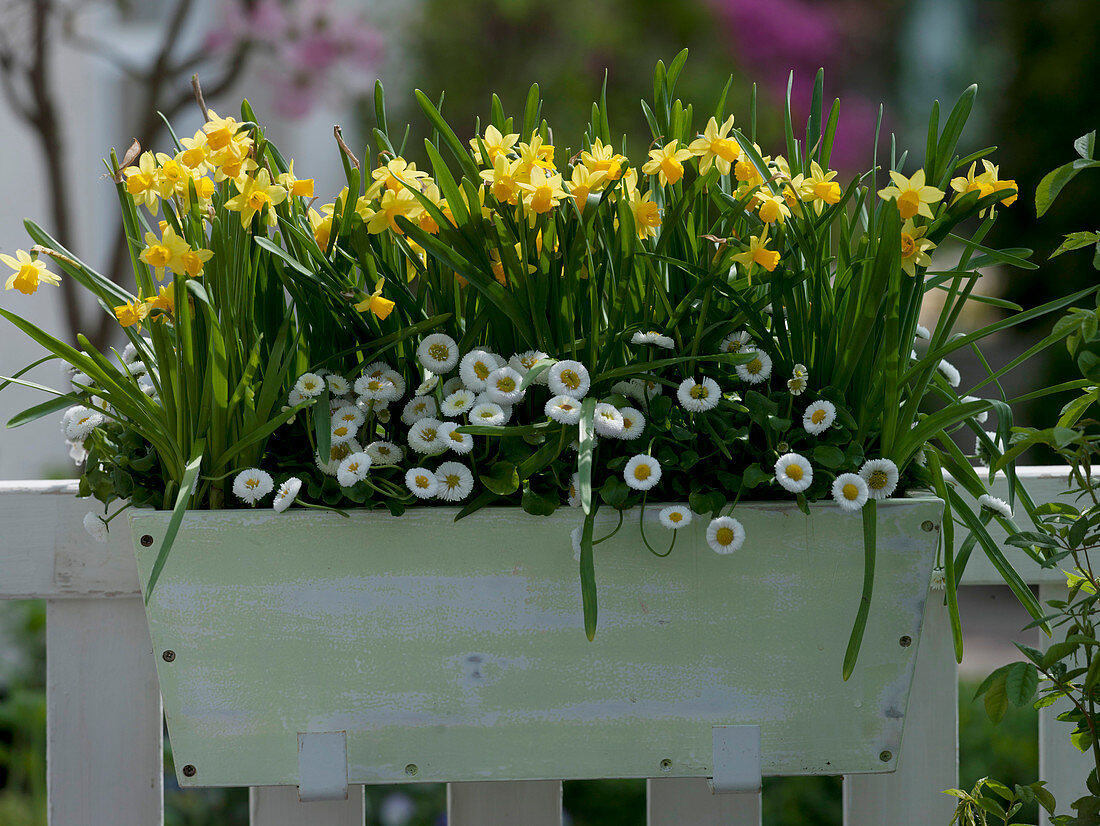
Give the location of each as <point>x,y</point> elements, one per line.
<point>587,449</point>
<point>588,577</point>
<point>190,473</point>
<point>856,639</point>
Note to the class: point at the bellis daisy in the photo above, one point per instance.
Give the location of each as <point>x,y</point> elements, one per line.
<point>633,423</point>
<point>458,402</point>
<point>949,372</point>
<point>81,421</point>
<point>95,526</point>
<point>310,385</point>
<point>850,492</point>
<point>458,442</point>
<point>421,482</point>
<point>735,342</point>
<point>523,362</point>
<point>418,407</point>
<point>438,353</point>
<point>296,398</point>
<point>756,371</point>
<point>799,380</point>
<point>881,476</point>
<point>252,485</point>
<point>569,378</point>
<point>980,418</point>
<point>696,396</point>
<point>793,472</point>
<point>376,388</point>
<point>642,472</point>
<point>453,481</point>
<point>286,494</point>
<point>923,332</point>
<point>502,386</point>
<point>997,506</point>
<point>654,338</point>
<point>818,417</point>
<point>427,385</point>
<point>725,535</point>
<point>451,385</point>
<point>675,516</point>
<point>476,367</point>
<point>939,579</point>
<point>336,454</point>
<point>337,385</point>
<point>488,413</point>
<point>342,432</point>
<point>564,409</point>
<point>353,469</point>
<point>608,421</point>
<point>425,438</point>
<point>384,453</point>
<point>348,414</point>
<point>574,496</point>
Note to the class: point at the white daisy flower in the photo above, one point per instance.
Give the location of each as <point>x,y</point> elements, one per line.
<point>632,389</point>
<point>296,398</point>
<point>438,353</point>
<point>353,469</point>
<point>633,423</point>
<point>350,415</point>
<point>939,579</point>
<point>608,421</point>
<point>502,386</point>
<point>129,353</point>
<point>451,385</point>
<point>992,503</point>
<point>569,378</point>
<point>459,402</point>
<point>252,485</point>
<point>337,385</point>
<point>475,369</point>
<point>642,472</point>
<point>564,409</point>
<point>799,380</point>
<point>982,451</point>
<point>425,438</point>
<point>137,369</point>
<point>648,388</point>
<point>81,421</point>
<point>146,386</point>
<point>342,432</point>
<point>818,417</point>
<point>950,372</point>
<point>757,370</point>
<point>735,342</point>
<point>793,472</point>
<point>80,381</point>
<point>310,385</point>
<point>980,418</point>
<point>428,385</point>
<point>95,526</point>
<point>421,482</point>
<point>454,482</point>
<point>397,380</point>
<point>337,453</point>
<point>675,516</point>
<point>287,493</point>
<point>850,491</point>
<point>76,452</point>
<point>725,535</point>
<point>418,407</point>
<point>488,413</point>
<point>653,338</point>
<point>376,388</point>
<point>458,442</point>
<point>923,332</point>
<point>384,453</point>
<point>881,476</point>
<point>574,496</point>
<point>376,369</point>
<point>523,362</point>
<point>698,396</point>
<point>384,416</point>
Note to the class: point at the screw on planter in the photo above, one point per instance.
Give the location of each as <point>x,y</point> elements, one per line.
<point>905,641</point>
<point>412,770</point>
<point>146,540</point>
<point>885,756</point>
<point>927,525</point>
<point>666,765</point>
<point>168,656</point>
<point>189,770</point>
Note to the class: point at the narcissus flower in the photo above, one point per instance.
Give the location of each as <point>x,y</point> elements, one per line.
<point>543,193</point>
<point>820,188</point>
<point>583,183</point>
<point>132,313</point>
<point>219,131</point>
<point>603,158</point>
<point>913,196</point>
<point>647,215</point>
<point>914,248</point>
<point>757,254</point>
<point>258,197</point>
<point>376,304</point>
<point>715,147</point>
<point>29,273</point>
<point>495,144</point>
<point>504,178</point>
<point>667,162</point>
<point>161,253</point>
<point>300,187</point>
<point>141,182</point>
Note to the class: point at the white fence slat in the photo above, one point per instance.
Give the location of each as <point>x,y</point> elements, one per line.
<point>929,758</point>
<point>688,801</point>
<point>279,806</point>
<point>1060,763</point>
<point>504,803</point>
<point>104,729</point>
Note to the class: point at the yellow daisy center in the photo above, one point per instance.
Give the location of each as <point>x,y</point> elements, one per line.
<point>428,434</point>
<point>755,366</point>
<point>353,467</point>
<point>438,351</point>
<point>724,536</point>
<point>252,484</point>
<point>342,430</point>
<point>699,391</point>
<point>850,492</point>
<point>642,472</point>
<point>453,481</point>
<point>570,379</point>
<point>422,481</point>
<point>506,384</point>
<point>794,472</point>
<point>481,370</point>
<point>878,480</point>
<point>675,516</point>
<point>818,416</point>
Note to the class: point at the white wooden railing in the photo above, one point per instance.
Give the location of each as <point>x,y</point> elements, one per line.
<point>104,724</point>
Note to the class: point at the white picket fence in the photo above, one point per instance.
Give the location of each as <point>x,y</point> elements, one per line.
<point>104,726</point>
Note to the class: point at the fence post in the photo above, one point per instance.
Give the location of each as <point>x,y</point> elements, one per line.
<point>687,801</point>
<point>504,803</point>
<point>279,806</point>
<point>104,729</point>
<point>929,758</point>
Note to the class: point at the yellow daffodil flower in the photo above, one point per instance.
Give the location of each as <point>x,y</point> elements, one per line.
<point>543,193</point>
<point>984,184</point>
<point>397,174</point>
<point>912,195</point>
<point>204,190</point>
<point>584,182</point>
<point>375,303</point>
<point>667,163</point>
<point>298,187</point>
<point>914,248</point>
<point>771,208</point>
<point>132,313</point>
<point>258,196</point>
<point>195,153</point>
<point>191,262</point>
<point>820,188</point>
<point>647,215</point>
<point>746,173</point>
<point>233,163</point>
<point>219,131</point>
<point>321,225</point>
<point>604,159</point>
<point>393,204</point>
<point>757,253</point>
<point>715,147</point>
<point>141,182</point>
<point>164,300</point>
<point>164,252</point>
<point>496,145</point>
<point>504,176</point>
<point>29,273</point>
<point>171,175</point>
<point>535,154</point>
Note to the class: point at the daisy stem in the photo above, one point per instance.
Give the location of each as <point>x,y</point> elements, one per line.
<point>107,521</point>
<point>344,514</point>
<point>641,527</point>
<point>605,538</point>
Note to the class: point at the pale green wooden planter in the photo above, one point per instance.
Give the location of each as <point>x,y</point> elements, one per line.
<point>455,651</point>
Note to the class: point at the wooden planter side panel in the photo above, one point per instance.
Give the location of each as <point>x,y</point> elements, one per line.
<point>455,651</point>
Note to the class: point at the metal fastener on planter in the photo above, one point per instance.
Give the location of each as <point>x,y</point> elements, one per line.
<point>189,770</point>
<point>927,525</point>
<point>885,756</point>
<point>905,641</point>
<point>666,765</point>
<point>412,770</point>
<point>168,655</point>
<point>146,540</point>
